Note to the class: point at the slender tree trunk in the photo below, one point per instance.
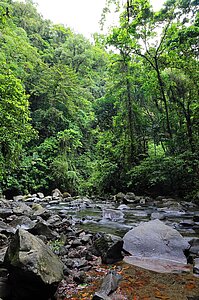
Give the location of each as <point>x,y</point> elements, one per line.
<point>129,113</point>
<point>163,97</point>
<point>189,130</point>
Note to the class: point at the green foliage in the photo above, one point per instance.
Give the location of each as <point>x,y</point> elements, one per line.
<point>15,128</point>
<point>105,119</point>
<point>56,245</point>
<point>166,174</point>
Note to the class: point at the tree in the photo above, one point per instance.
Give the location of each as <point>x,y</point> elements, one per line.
<point>15,128</point>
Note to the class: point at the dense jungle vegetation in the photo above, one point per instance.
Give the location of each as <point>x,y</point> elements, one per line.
<point>119,113</point>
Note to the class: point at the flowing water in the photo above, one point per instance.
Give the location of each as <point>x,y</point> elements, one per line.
<point>90,217</point>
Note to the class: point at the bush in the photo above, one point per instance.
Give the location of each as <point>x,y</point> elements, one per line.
<point>172,175</point>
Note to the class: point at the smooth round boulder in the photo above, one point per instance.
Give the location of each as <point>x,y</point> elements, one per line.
<point>156,240</point>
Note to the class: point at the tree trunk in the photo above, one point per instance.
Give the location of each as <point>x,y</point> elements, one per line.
<point>163,97</point>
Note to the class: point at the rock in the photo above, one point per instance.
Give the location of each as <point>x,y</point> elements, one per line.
<point>56,194</point>
<point>22,209</point>
<point>5,212</point>
<point>69,263</point>
<point>2,254</point>
<point>123,206</point>
<point>196,265</point>
<point>80,263</point>
<point>18,198</point>
<point>79,277</point>
<point>5,228</point>
<point>143,201</point>
<point>112,215</point>
<point>195,217</point>
<point>108,286</point>
<point>54,220</point>
<point>157,215</point>
<point>23,222</point>
<point>34,270</point>
<point>109,247</point>
<point>42,229</point>
<point>38,210</point>
<point>194,246</point>
<point>119,197</point>
<point>66,195</point>
<point>187,223</point>
<point>48,198</point>
<point>156,240</point>
<point>158,265</point>
<point>4,291</point>
<point>130,196</point>
<point>76,243</point>
<point>3,240</point>
<point>81,202</point>
<point>40,195</point>
<point>86,238</point>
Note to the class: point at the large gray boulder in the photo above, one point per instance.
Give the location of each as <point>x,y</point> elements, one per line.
<point>154,239</point>
<point>34,270</point>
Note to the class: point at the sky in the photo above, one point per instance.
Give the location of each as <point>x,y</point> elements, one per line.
<point>81,15</point>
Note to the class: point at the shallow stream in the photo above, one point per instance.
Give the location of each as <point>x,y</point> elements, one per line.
<point>90,216</point>
<point>139,283</point>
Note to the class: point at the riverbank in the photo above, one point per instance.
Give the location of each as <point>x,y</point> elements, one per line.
<point>82,251</point>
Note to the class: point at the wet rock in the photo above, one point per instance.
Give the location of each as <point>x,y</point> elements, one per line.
<point>187,223</point>
<point>112,215</point>
<point>155,239</point>
<point>34,270</point>
<point>5,212</point>
<point>157,215</point>
<point>158,264</point>
<point>123,206</point>
<point>23,222</point>
<point>195,217</point>
<point>109,285</point>
<point>109,247</point>
<point>81,203</point>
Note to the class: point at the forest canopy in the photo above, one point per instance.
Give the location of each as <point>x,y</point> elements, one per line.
<point>116,114</point>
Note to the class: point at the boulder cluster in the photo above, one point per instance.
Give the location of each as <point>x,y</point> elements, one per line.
<point>41,246</point>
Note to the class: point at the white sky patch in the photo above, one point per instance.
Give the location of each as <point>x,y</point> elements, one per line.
<point>81,15</point>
